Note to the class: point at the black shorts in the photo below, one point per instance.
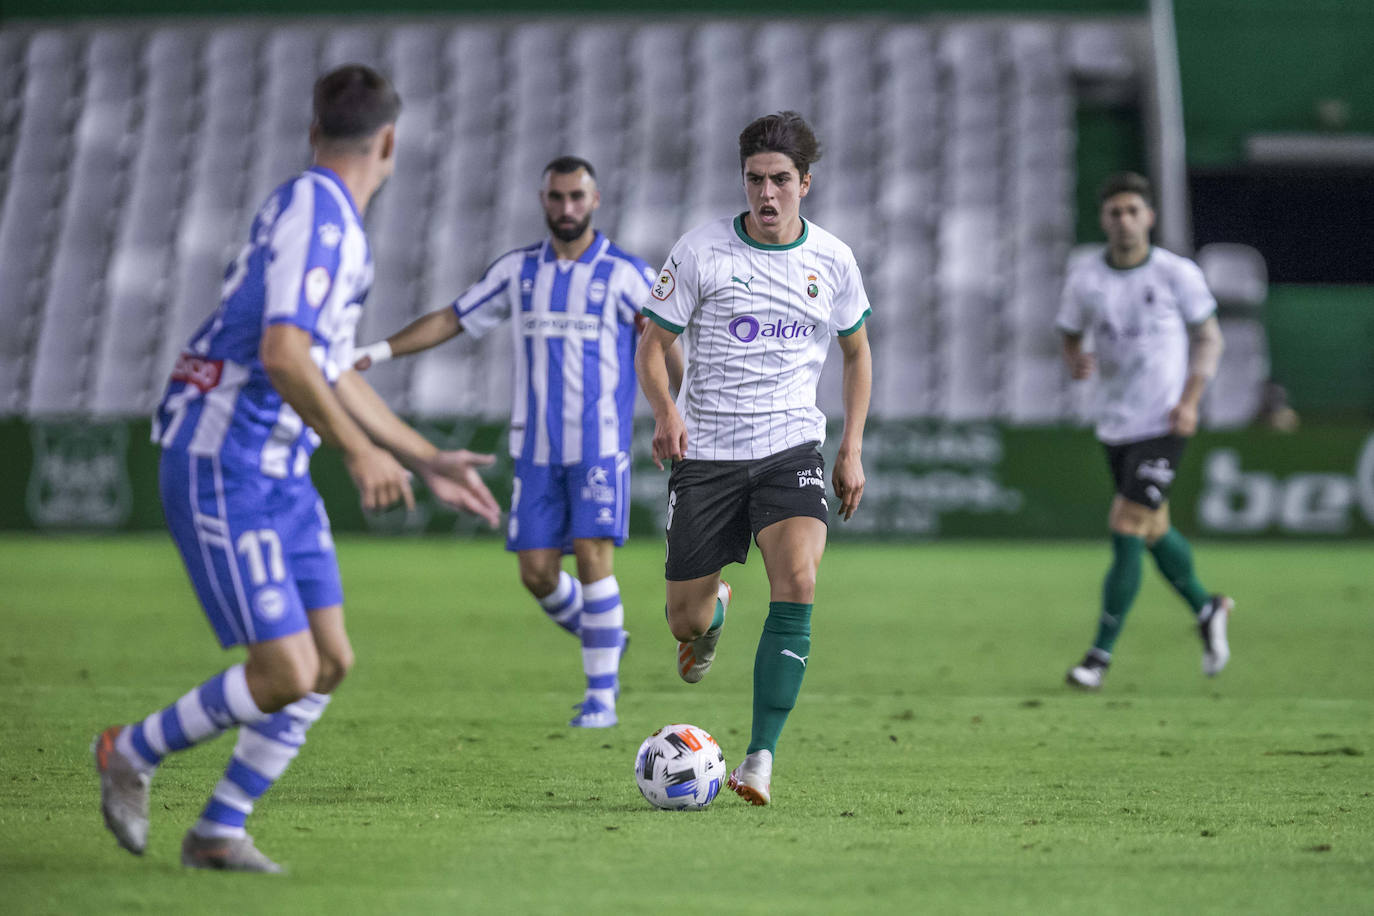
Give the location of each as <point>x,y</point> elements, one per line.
<point>715,506</point>
<point>1144,471</point>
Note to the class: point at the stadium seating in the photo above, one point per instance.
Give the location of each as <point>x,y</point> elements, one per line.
<point>132,158</point>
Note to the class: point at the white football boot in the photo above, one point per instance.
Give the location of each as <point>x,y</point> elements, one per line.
<point>123,792</point>
<point>752,779</point>
<point>225,853</point>
<point>1212,620</point>
<point>1088,674</point>
<point>694,658</point>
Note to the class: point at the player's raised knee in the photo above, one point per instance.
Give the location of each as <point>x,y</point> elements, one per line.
<point>539,582</point>
<point>686,630</point>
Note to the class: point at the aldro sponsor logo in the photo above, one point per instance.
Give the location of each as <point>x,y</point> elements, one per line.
<point>747,328</point>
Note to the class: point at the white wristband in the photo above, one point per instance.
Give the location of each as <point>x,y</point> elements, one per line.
<point>379,352</point>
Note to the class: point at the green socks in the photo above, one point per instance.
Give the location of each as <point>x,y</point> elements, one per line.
<point>1119,588</point>
<point>719,618</point>
<point>1174,557</point>
<point>779,666</point>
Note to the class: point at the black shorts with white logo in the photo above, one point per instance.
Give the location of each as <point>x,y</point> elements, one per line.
<point>1144,471</point>
<point>715,506</point>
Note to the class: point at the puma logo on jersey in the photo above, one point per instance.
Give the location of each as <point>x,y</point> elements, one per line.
<point>790,654</point>
<point>744,283</point>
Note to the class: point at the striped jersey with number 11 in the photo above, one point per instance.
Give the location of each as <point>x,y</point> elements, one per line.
<point>306,263</point>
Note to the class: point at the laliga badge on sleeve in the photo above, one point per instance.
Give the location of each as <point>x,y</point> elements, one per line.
<point>665,285</point>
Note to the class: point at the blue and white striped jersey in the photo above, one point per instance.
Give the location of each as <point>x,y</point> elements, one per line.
<point>306,263</point>
<point>574,337</point>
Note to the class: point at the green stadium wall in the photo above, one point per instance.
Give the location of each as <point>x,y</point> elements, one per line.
<point>1272,66</point>
<point>925,480</point>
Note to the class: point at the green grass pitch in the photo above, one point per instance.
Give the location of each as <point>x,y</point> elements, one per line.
<point>935,763</point>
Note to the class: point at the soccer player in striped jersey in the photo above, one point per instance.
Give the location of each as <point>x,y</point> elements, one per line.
<point>759,297</point>
<point>262,382</point>
<point>573,301</point>
<point>1157,343</point>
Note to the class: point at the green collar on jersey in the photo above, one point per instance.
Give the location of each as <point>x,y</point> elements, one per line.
<point>1107,259</point>
<point>744,237</point>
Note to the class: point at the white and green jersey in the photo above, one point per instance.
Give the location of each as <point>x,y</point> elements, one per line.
<point>1139,319</point>
<point>758,320</point>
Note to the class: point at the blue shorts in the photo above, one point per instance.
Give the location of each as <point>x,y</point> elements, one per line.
<point>551,506</point>
<point>258,550</point>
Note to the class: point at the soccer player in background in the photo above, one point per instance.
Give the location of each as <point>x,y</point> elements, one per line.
<point>759,296</point>
<point>1158,343</point>
<point>574,303</point>
<point>262,382</point>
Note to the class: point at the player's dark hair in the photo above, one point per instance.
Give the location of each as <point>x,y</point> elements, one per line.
<point>1126,183</point>
<point>785,132</point>
<point>566,165</point>
<point>353,102</point>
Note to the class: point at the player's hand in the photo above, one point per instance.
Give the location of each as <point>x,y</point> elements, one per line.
<point>1183,419</point>
<point>371,355</point>
<point>670,439</point>
<point>380,479</point>
<point>849,483</point>
<point>452,478</point>
<point>1082,366</point>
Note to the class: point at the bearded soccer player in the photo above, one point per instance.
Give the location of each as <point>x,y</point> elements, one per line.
<point>1158,343</point>
<point>759,297</point>
<point>573,301</point>
<point>262,382</point>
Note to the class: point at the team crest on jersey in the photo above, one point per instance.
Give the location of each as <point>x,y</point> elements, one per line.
<point>270,603</point>
<point>596,291</point>
<point>330,235</point>
<point>812,289</point>
<point>316,286</point>
<point>665,285</point>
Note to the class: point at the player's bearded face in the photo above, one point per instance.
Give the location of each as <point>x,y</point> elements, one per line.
<point>569,201</point>
<point>566,228</point>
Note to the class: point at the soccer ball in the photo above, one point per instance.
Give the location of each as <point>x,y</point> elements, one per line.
<point>679,766</point>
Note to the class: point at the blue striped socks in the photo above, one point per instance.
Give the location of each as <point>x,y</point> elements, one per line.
<point>603,622</point>
<point>564,604</point>
<point>220,703</point>
<point>263,752</point>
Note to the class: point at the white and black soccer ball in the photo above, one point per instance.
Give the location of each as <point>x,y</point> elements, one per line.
<point>680,766</point>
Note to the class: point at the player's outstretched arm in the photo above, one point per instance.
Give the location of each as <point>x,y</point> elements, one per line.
<point>856,390</point>
<point>1204,355</point>
<point>450,475</point>
<point>1081,364</point>
<point>285,355</point>
<point>653,367</point>
<point>421,334</point>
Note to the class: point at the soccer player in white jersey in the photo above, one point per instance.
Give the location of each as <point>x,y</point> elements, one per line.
<point>262,382</point>
<point>1157,343</point>
<point>759,297</point>
<point>573,301</point>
